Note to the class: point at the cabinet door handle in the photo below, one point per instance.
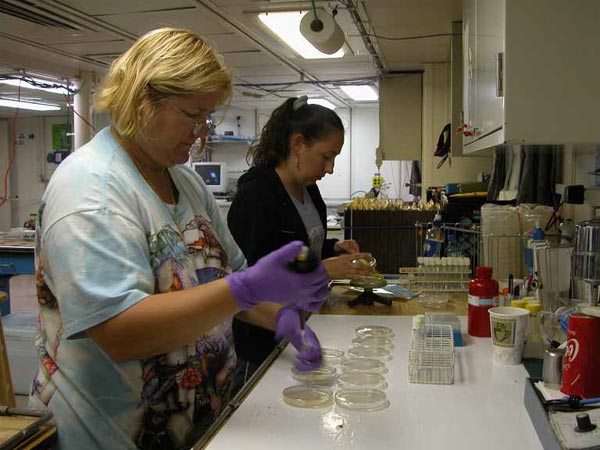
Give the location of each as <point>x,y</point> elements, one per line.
<point>500,75</point>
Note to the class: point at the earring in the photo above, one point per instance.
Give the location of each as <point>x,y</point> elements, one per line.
<point>297,161</point>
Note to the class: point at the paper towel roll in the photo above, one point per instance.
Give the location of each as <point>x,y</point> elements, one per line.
<point>328,40</point>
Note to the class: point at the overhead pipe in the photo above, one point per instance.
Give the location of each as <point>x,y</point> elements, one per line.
<point>364,34</point>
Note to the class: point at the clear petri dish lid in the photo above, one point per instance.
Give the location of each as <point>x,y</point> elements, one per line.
<point>302,396</point>
<point>370,352</point>
<point>363,365</point>
<point>361,399</point>
<point>324,375</point>
<point>375,331</point>
<point>433,300</point>
<point>332,356</point>
<point>373,341</point>
<point>357,380</point>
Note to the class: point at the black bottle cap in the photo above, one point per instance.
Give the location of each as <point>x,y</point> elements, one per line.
<point>584,424</point>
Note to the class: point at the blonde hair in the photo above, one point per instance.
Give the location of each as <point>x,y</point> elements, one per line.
<point>163,63</point>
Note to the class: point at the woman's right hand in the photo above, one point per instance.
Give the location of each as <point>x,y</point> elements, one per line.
<point>344,267</point>
<point>270,280</point>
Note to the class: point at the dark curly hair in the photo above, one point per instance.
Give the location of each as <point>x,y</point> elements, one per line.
<point>314,122</point>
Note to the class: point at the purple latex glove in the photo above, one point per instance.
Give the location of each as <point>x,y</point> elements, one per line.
<point>270,280</point>
<point>306,342</point>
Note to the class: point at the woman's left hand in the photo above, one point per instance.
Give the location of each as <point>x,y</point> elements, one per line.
<point>348,246</point>
<point>343,267</point>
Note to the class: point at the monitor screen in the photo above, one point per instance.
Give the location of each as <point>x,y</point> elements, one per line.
<point>214,175</point>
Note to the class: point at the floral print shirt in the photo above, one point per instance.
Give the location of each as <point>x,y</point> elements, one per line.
<point>105,241</point>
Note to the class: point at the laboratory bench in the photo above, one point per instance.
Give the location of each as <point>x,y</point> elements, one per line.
<point>339,296</point>
<point>483,408</point>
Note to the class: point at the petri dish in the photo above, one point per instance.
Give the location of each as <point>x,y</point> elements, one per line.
<point>302,396</point>
<point>375,331</point>
<point>373,341</point>
<point>361,399</point>
<point>433,301</point>
<point>370,352</point>
<point>363,365</point>
<point>356,380</point>
<point>332,356</point>
<point>370,282</point>
<point>324,375</point>
<point>371,261</point>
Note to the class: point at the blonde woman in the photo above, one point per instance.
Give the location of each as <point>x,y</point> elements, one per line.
<point>138,274</point>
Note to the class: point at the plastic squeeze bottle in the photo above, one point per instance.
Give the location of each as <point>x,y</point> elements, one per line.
<point>534,346</point>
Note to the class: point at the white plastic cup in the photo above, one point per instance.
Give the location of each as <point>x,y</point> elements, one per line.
<point>508,326</point>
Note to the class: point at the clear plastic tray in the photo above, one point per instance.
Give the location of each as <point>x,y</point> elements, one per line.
<point>370,352</point>
<point>364,365</point>
<point>302,396</point>
<point>373,341</point>
<point>324,375</point>
<point>374,330</point>
<point>356,380</point>
<point>361,400</point>
<point>332,356</point>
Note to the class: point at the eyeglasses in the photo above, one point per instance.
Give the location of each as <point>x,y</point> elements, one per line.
<point>202,126</point>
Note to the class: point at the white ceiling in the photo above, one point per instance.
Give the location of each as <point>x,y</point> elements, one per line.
<point>89,34</point>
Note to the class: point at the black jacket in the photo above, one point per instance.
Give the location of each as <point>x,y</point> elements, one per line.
<point>262,218</point>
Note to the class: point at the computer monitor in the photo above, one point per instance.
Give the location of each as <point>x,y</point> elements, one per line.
<point>214,175</point>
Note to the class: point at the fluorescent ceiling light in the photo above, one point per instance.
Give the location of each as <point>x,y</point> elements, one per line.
<point>28,105</point>
<point>322,102</point>
<point>361,93</point>
<point>286,25</point>
<point>26,85</point>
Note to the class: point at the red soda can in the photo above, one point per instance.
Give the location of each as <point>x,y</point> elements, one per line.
<point>581,366</point>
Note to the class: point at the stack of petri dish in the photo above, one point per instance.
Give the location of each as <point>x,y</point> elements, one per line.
<point>323,376</point>
<point>364,365</point>
<point>373,341</point>
<point>361,382</point>
<point>375,331</point>
<point>332,356</point>
<point>302,396</point>
<point>361,400</point>
<point>370,352</point>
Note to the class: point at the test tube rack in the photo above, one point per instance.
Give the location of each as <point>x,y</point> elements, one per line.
<point>431,355</point>
<point>437,275</point>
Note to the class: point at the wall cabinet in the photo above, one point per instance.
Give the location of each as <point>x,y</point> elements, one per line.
<point>530,72</point>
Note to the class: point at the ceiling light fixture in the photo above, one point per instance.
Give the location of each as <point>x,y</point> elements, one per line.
<point>361,93</point>
<point>286,25</point>
<point>28,105</point>
<point>24,84</point>
<point>322,102</point>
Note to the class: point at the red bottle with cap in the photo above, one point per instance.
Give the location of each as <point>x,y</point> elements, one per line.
<point>483,295</point>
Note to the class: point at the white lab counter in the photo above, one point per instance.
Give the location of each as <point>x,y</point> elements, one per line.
<point>482,409</point>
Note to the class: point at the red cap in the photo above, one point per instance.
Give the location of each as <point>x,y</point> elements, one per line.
<point>483,272</point>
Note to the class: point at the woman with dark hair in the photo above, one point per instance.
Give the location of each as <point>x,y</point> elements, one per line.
<point>278,201</point>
